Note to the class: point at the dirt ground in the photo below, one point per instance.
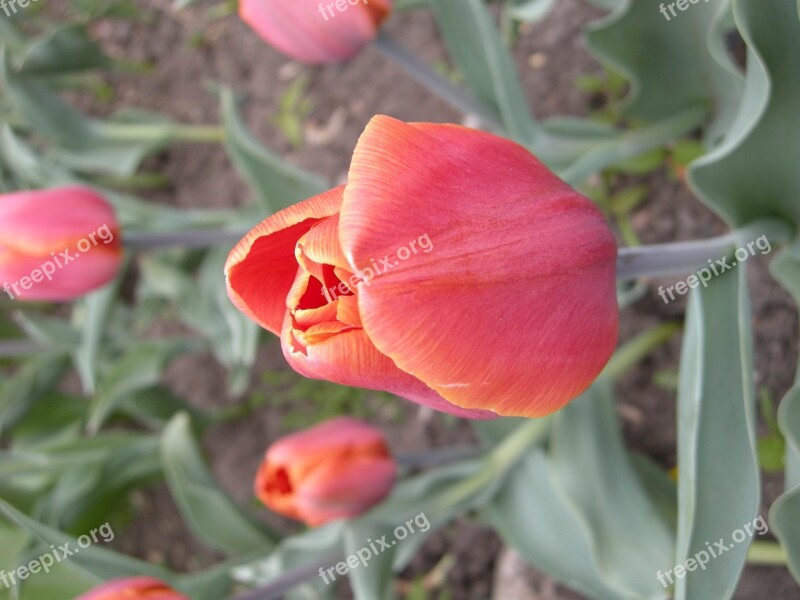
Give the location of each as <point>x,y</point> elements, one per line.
<point>189,53</point>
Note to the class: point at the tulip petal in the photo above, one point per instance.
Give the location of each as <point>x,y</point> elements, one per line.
<point>57,244</point>
<point>305,29</point>
<point>316,442</point>
<point>95,268</point>
<point>72,213</point>
<point>133,588</point>
<point>262,267</point>
<point>341,490</point>
<point>298,477</point>
<point>513,308</point>
<point>350,358</point>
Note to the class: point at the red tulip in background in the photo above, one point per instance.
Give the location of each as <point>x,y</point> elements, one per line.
<point>58,244</point>
<point>316,32</point>
<point>510,310</point>
<point>337,469</point>
<point>133,588</point>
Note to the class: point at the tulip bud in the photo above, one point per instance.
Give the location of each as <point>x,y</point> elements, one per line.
<point>337,469</point>
<point>133,588</point>
<point>57,244</point>
<point>316,32</point>
<point>453,269</point>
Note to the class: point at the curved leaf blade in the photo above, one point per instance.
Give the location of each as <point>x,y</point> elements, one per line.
<point>210,513</point>
<point>753,173</point>
<point>716,426</point>
<point>474,42</point>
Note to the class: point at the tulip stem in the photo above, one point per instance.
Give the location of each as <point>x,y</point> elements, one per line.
<point>683,257</point>
<point>770,554</point>
<point>193,238</point>
<point>634,350</point>
<point>457,98</point>
<point>509,451</point>
<point>436,457</point>
<point>159,132</point>
<point>17,348</point>
<point>593,155</point>
<point>276,588</point>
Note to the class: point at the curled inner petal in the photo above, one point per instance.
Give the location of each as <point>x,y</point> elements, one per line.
<point>320,304</point>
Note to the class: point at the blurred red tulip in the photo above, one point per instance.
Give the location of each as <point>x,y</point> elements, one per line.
<point>133,588</point>
<point>316,32</point>
<point>513,313</point>
<point>58,244</point>
<point>337,469</point>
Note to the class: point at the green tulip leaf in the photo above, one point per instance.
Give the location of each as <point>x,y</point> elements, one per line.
<point>660,488</point>
<point>475,45</point>
<point>716,426</point>
<point>604,520</point>
<point>674,65</point>
<point>277,183</point>
<point>784,515</point>
<point>631,539</point>
<point>93,314</point>
<point>65,50</point>
<point>135,464</point>
<point>786,269</point>
<point>533,515</point>
<point>211,514</point>
<point>753,173</point>
<point>94,561</point>
<point>114,147</point>
<point>785,512</point>
<point>33,379</point>
<point>44,111</point>
<point>205,307</point>
<point>493,431</point>
<point>606,4</point>
<point>51,457</point>
<point>139,368</point>
<point>311,549</point>
<point>530,11</point>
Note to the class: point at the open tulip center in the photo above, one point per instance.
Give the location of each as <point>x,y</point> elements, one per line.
<point>280,483</point>
<point>323,291</point>
<point>324,300</point>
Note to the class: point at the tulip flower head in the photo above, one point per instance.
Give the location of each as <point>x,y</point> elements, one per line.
<point>133,588</point>
<point>57,245</point>
<point>512,313</point>
<point>314,31</point>
<point>337,469</point>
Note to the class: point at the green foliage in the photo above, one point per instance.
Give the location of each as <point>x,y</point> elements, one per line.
<point>480,55</point>
<point>578,491</point>
<point>198,496</point>
<point>716,427</point>
<point>86,417</point>
<point>294,108</point>
<point>749,175</point>
<point>772,446</point>
<point>277,183</point>
<point>305,402</point>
